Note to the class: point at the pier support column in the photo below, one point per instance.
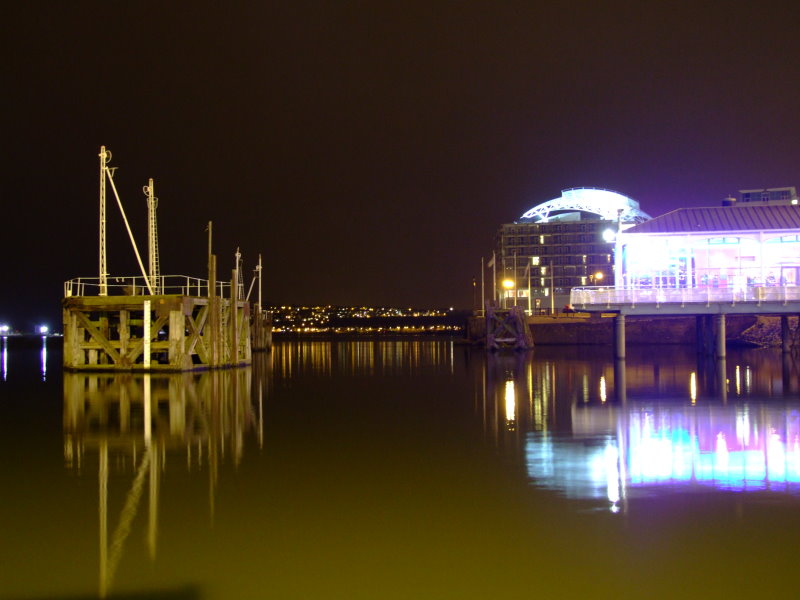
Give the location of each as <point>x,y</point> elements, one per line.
<point>722,378</point>
<point>234,324</point>
<point>720,331</point>
<point>177,338</point>
<point>620,380</point>
<point>619,336</point>
<point>124,334</point>
<point>786,340</point>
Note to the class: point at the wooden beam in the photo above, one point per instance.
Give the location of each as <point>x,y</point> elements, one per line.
<point>137,347</point>
<point>99,338</point>
<point>195,340</point>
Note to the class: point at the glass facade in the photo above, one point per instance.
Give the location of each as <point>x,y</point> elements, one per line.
<point>738,261</point>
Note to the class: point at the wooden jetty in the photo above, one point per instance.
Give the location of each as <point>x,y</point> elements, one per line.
<point>154,322</point>
<point>183,328</point>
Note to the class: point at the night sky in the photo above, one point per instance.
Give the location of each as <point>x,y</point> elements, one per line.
<point>369,150</point>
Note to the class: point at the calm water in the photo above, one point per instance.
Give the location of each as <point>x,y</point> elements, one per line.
<point>402,469</point>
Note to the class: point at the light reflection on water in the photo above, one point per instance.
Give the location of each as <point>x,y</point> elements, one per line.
<point>400,469</point>
<point>5,357</point>
<point>654,437</point>
<point>364,357</point>
<point>138,426</point>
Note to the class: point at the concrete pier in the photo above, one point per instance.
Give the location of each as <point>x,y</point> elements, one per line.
<point>719,330</point>
<point>619,336</point>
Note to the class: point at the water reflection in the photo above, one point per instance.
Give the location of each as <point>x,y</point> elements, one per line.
<point>668,425</point>
<point>43,358</point>
<point>377,357</point>
<point>136,424</point>
<point>5,358</point>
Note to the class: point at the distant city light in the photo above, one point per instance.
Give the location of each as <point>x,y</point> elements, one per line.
<point>4,329</point>
<point>43,329</point>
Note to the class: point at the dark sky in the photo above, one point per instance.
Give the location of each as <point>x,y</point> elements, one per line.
<point>369,150</point>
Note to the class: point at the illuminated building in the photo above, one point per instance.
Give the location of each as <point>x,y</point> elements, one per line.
<point>736,248</point>
<point>560,244</point>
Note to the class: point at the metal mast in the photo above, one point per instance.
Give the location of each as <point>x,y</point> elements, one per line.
<point>154,266</point>
<point>258,268</point>
<point>105,158</point>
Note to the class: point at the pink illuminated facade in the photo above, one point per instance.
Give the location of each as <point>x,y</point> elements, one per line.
<point>727,247</point>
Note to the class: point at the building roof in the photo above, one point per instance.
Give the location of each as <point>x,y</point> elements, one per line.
<point>722,218</point>
<point>606,204</point>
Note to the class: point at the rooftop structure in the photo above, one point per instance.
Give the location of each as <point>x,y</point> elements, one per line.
<point>602,204</point>
<point>779,195</point>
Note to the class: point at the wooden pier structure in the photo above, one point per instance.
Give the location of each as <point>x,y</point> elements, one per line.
<point>183,330</point>
<point>155,322</point>
<point>507,328</point>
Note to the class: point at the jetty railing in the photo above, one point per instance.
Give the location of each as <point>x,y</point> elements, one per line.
<point>136,285</point>
<point>608,296</point>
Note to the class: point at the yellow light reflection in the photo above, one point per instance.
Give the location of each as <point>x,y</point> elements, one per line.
<point>693,387</point>
<point>603,394</point>
<point>738,381</point>
<point>511,404</point>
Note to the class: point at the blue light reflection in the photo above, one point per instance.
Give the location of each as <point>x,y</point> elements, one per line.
<point>734,448</point>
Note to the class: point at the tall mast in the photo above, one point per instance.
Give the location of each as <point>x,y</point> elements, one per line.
<point>258,268</point>
<point>152,235</point>
<point>105,158</point>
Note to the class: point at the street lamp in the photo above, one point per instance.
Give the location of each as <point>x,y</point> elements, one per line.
<point>508,284</point>
<point>43,329</point>
<point>598,277</point>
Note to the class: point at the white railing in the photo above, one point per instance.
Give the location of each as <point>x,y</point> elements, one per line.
<point>136,285</point>
<point>596,297</point>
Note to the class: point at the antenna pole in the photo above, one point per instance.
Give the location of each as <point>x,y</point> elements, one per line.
<point>130,234</point>
<point>152,234</point>
<point>105,157</point>
<point>258,306</point>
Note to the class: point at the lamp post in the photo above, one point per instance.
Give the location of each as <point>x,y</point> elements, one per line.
<point>508,284</point>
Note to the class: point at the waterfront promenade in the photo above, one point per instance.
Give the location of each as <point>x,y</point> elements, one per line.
<point>709,305</point>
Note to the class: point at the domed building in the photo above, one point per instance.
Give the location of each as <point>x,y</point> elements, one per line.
<point>560,244</point>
